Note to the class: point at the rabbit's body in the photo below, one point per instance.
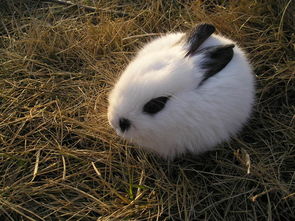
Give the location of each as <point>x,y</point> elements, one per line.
<point>172,101</point>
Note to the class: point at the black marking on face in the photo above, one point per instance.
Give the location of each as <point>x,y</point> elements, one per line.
<point>124,124</point>
<point>197,36</point>
<point>155,105</point>
<point>215,59</point>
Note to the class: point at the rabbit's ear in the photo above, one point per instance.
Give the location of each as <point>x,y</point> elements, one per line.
<point>214,59</point>
<point>197,36</point>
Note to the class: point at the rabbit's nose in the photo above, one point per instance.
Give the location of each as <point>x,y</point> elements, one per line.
<point>124,124</point>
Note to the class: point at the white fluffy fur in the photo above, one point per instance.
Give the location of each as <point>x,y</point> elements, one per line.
<point>195,119</point>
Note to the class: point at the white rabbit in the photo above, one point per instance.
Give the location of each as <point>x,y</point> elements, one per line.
<point>183,92</point>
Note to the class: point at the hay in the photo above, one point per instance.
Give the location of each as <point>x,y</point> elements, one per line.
<point>61,160</point>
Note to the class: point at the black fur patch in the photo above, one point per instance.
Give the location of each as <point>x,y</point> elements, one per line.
<point>215,59</point>
<point>124,124</point>
<point>155,105</point>
<point>197,36</point>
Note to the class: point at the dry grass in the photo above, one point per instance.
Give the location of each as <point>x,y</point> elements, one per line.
<point>61,161</point>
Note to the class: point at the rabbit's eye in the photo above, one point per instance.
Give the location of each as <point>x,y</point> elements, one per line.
<point>155,105</point>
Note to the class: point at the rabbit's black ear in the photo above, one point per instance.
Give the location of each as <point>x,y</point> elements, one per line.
<point>197,36</point>
<point>215,58</point>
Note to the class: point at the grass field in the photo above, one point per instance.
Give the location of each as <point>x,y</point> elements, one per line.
<point>59,158</point>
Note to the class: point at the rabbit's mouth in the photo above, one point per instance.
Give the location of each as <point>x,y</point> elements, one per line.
<point>125,134</point>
